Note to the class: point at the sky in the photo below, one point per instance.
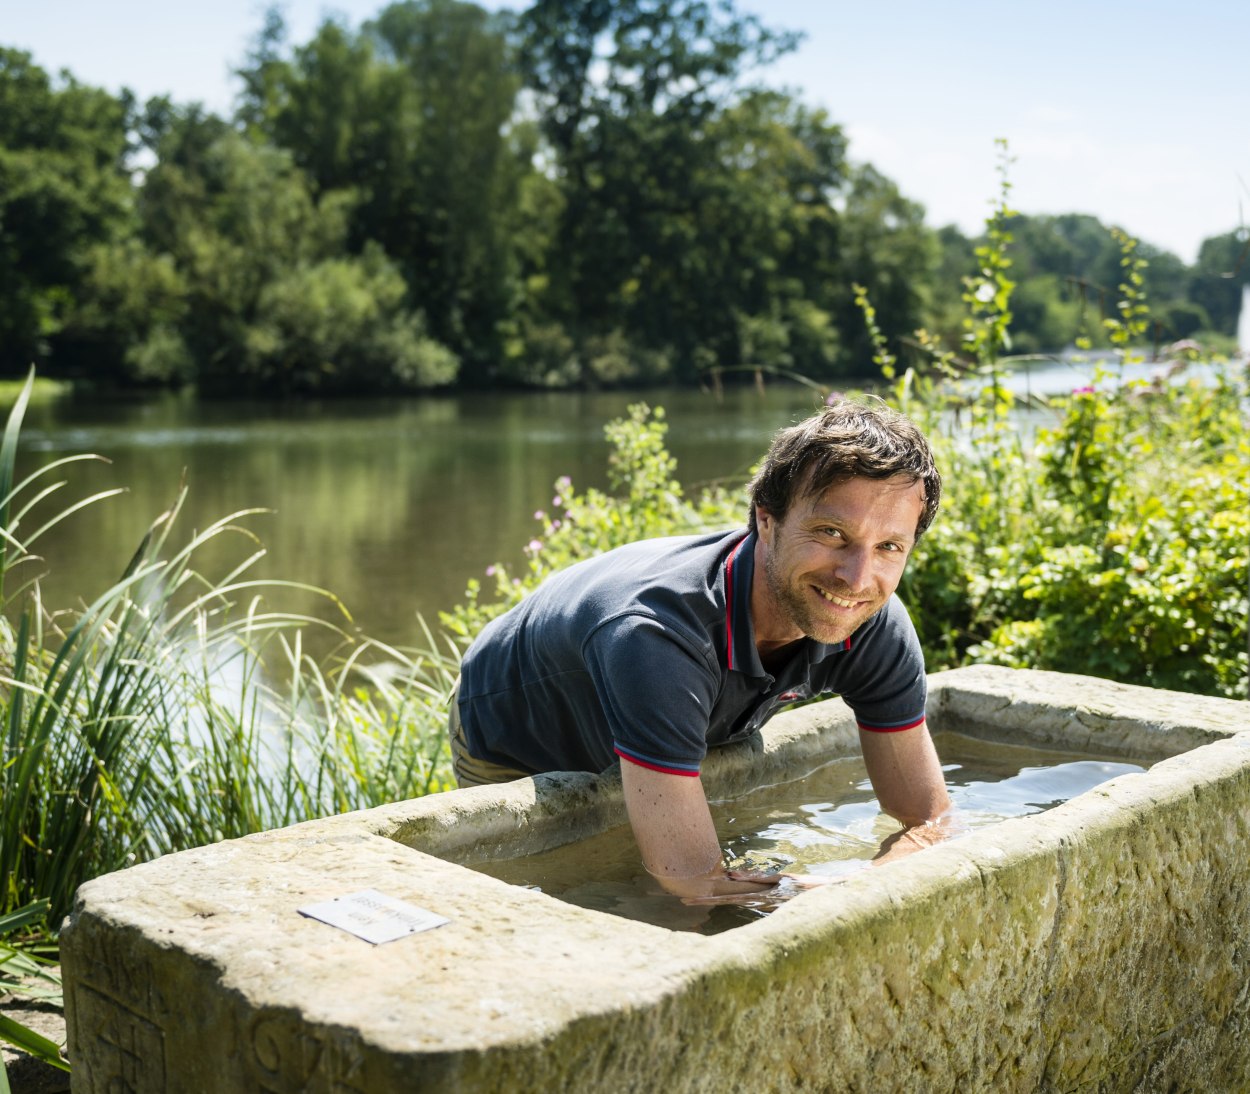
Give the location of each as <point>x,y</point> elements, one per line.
<point>1138,113</point>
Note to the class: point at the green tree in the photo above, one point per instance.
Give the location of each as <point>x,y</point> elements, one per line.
<point>635,101</point>
<point>64,188</point>
<point>1223,267</point>
<point>1068,268</point>
<point>1046,315</point>
<point>273,303</point>
<point>886,248</point>
<point>413,114</point>
<point>125,324</point>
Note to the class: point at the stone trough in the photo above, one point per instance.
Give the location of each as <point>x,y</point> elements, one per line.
<point>1103,945</point>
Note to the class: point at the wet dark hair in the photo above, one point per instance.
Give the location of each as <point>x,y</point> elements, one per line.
<point>844,441</point>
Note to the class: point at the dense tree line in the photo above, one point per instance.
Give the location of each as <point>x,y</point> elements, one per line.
<point>585,192</point>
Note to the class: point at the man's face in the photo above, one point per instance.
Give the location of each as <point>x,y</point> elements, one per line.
<point>834,560</point>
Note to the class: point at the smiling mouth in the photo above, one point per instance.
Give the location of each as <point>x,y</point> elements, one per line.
<point>840,601</point>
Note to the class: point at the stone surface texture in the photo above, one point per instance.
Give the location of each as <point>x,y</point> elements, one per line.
<point>1101,946</point>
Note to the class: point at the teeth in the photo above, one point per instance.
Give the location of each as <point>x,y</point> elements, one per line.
<point>836,599</point>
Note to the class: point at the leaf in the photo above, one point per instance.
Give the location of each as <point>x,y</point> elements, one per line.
<point>32,1043</point>
<point>22,917</point>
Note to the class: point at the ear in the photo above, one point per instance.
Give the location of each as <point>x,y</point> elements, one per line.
<point>765,522</point>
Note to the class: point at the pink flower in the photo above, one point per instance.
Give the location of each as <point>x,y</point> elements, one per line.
<point>557,500</point>
<point>1082,391</point>
<point>539,515</point>
<point>534,546</point>
<point>491,571</point>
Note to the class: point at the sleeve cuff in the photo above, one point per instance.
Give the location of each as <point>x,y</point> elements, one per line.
<point>667,767</point>
<point>890,727</point>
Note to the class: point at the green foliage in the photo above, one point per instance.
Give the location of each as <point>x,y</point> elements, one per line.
<point>881,355</point>
<point>63,189</point>
<point>1222,269</point>
<point>578,194</point>
<point>1068,272</point>
<point>1116,543</point>
<point>413,114</point>
<point>126,324</point>
<point>269,303</point>
<point>988,292</point>
<point>1045,315</point>
<point>884,246</point>
<point>1137,566</point>
<point>312,321</point>
<point>715,223</point>
<point>1132,321</point>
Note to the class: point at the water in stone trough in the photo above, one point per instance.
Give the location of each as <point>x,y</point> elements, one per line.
<point>828,823</point>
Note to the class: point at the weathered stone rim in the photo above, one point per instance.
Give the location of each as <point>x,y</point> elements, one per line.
<point>535,987</point>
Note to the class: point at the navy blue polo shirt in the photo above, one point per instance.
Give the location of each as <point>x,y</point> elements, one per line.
<point>647,652</point>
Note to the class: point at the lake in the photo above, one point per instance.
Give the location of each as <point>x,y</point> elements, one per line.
<point>391,504</point>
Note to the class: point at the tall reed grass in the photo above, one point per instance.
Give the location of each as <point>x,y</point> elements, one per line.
<point>179,708</point>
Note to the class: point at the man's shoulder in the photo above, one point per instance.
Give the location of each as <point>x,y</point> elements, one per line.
<point>672,579</point>
<point>671,562</point>
<point>703,544</point>
<point>891,624</point>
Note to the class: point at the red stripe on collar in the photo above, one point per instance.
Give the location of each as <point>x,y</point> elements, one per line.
<point>729,604</point>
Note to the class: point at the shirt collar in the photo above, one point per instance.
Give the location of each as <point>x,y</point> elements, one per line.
<point>740,652</point>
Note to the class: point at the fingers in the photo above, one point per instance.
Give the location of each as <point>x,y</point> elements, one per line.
<point>811,881</point>
<point>773,889</point>
<point>756,876</point>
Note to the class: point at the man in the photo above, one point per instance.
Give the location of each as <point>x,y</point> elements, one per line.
<point>659,650</point>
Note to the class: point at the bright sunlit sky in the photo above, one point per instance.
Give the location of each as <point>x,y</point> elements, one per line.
<point>1138,113</point>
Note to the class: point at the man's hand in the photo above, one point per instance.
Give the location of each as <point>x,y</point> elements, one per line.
<point>917,838</point>
<point>771,889</point>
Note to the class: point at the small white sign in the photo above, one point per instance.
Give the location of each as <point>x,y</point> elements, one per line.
<point>374,916</point>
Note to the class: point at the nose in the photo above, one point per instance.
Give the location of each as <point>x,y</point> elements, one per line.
<point>853,568</point>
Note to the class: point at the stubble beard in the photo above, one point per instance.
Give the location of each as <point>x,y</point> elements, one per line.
<point>792,599</point>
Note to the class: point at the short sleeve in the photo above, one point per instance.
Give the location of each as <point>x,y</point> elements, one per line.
<point>657,689</point>
<point>889,687</point>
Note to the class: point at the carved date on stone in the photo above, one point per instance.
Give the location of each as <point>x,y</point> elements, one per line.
<point>122,1051</point>
<point>286,1057</point>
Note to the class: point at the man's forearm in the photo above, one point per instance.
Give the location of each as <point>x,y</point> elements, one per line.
<point>673,826</point>
<point>906,775</point>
